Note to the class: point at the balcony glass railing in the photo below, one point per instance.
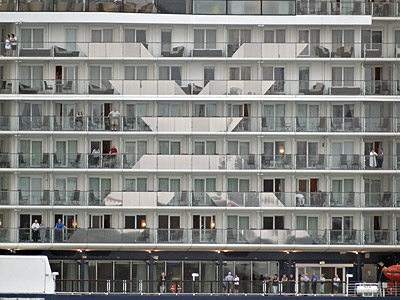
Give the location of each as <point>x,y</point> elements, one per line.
<point>191,162</point>
<point>198,199</point>
<point>199,124</point>
<point>198,88</point>
<point>302,49</point>
<point>256,286</point>
<point>208,7</point>
<point>200,236</point>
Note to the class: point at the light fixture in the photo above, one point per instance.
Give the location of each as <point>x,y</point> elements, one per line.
<point>281,150</point>
<point>1,222</point>
<point>143,224</point>
<point>212,224</point>
<point>74,224</point>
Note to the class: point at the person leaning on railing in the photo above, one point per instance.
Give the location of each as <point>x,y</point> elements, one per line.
<point>285,286</point>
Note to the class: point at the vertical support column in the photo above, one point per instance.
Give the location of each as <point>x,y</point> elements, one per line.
<point>82,271</point>
<point>220,273</point>
<point>358,278</point>
<point>151,276</point>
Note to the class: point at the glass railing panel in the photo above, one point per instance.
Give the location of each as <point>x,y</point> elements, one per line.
<point>238,7</point>
<point>174,7</point>
<point>369,162</point>
<point>47,197</point>
<point>352,237</point>
<point>279,7</point>
<point>212,87</point>
<point>36,6</point>
<point>77,235</point>
<point>209,7</point>
<point>379,237</point>
<point>68,6</point>
<point>9,5</point>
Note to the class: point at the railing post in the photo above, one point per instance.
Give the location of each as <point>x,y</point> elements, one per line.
<point>124,286</point>
<point>264,287</point>
<point>141,286</point>
<point>108,286</point>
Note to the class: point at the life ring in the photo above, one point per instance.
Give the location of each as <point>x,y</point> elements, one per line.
<point>176,288</point>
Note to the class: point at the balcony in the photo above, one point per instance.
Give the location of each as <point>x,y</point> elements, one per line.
<point>199,88</point>
<point>200,124</point>
<point>193,162</point>
<point>231,237</point>
<point>208,7</point>
<point>191,199</point>
<point>183,50</point>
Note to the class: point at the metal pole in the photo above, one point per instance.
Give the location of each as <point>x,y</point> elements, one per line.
<point>151,276</point>
<point>359,267</point>
<point>108,286</point>
<point>82,271</point>
<point>141,286</point>
<point>220,275</point>
<point>124,286</point>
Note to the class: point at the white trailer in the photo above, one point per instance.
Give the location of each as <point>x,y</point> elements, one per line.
<point>21,274</point>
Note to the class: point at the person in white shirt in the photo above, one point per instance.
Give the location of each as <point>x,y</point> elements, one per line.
<point>299,199</point>
<point>35,231</point>
<point>322,284</point>
<point>372,158</point>
<point>236,282</point>
<point>7,45</point>
<point>336,284</point>
<point>306,283</point>
<point>114,118</point>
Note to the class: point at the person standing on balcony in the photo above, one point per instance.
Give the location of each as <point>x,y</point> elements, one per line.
<point>275,284</point>
<point>322,284</point>
<point>35,231</point>
<point>228,281</point>
<point>113,156</point>
<point>59,230</point>
<point>8,45</point>
<point>284,283</point>
<point>236,283</point>
<point>292,284</point>
<point>114,118</point>
<point>372,159</point>
<point>267,281</point>
<point>314,280</point>
<point>379,158</point>
<point>299,199</point>
<point>163,283</point>
<point>336,283</point>
<point>79,119</point>
<point>96,156</point>
<point>306,283</point>
<point>14,42</point>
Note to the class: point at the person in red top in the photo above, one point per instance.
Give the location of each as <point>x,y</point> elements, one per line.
<point>113,156</point>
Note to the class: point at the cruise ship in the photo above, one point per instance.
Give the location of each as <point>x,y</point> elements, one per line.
<point>200,137</point>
